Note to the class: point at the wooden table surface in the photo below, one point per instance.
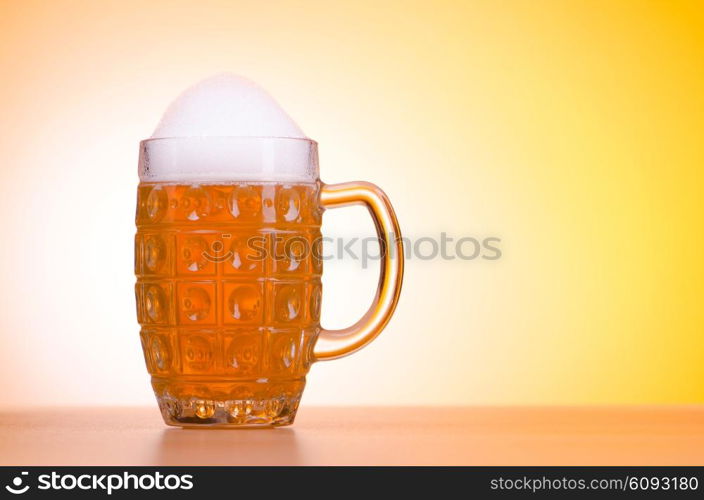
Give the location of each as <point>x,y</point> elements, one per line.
<point>666,435</point>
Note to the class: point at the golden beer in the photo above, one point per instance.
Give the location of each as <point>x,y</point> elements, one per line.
<point>228,297</point>
<point>228,258</point>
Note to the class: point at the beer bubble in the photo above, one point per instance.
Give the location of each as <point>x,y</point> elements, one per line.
<point>223,128</point>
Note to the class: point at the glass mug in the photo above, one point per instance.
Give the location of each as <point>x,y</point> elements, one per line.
<point>228,265</point>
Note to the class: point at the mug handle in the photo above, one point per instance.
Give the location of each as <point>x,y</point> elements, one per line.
<point>333,344</point>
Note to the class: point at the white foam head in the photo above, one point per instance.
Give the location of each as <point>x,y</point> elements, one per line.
<point>226,105</point>
<point>227,128</point>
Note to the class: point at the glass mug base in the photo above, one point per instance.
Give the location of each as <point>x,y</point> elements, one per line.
<point>254,404</point>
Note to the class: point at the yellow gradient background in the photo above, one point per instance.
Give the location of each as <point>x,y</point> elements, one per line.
<point>572,130</point>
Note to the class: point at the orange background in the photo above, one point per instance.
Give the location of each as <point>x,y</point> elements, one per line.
<point>572,130</point>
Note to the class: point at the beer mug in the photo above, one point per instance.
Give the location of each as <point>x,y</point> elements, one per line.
<point>228,264</point>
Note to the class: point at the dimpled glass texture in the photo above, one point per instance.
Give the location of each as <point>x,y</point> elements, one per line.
<point>228,298</point>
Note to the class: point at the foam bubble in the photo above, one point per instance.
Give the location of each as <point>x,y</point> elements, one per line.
<point>226,105</point>
<point>227,128</point>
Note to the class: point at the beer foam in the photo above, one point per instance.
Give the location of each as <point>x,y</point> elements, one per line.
<point>226,105</point>
<point>227,128</point>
